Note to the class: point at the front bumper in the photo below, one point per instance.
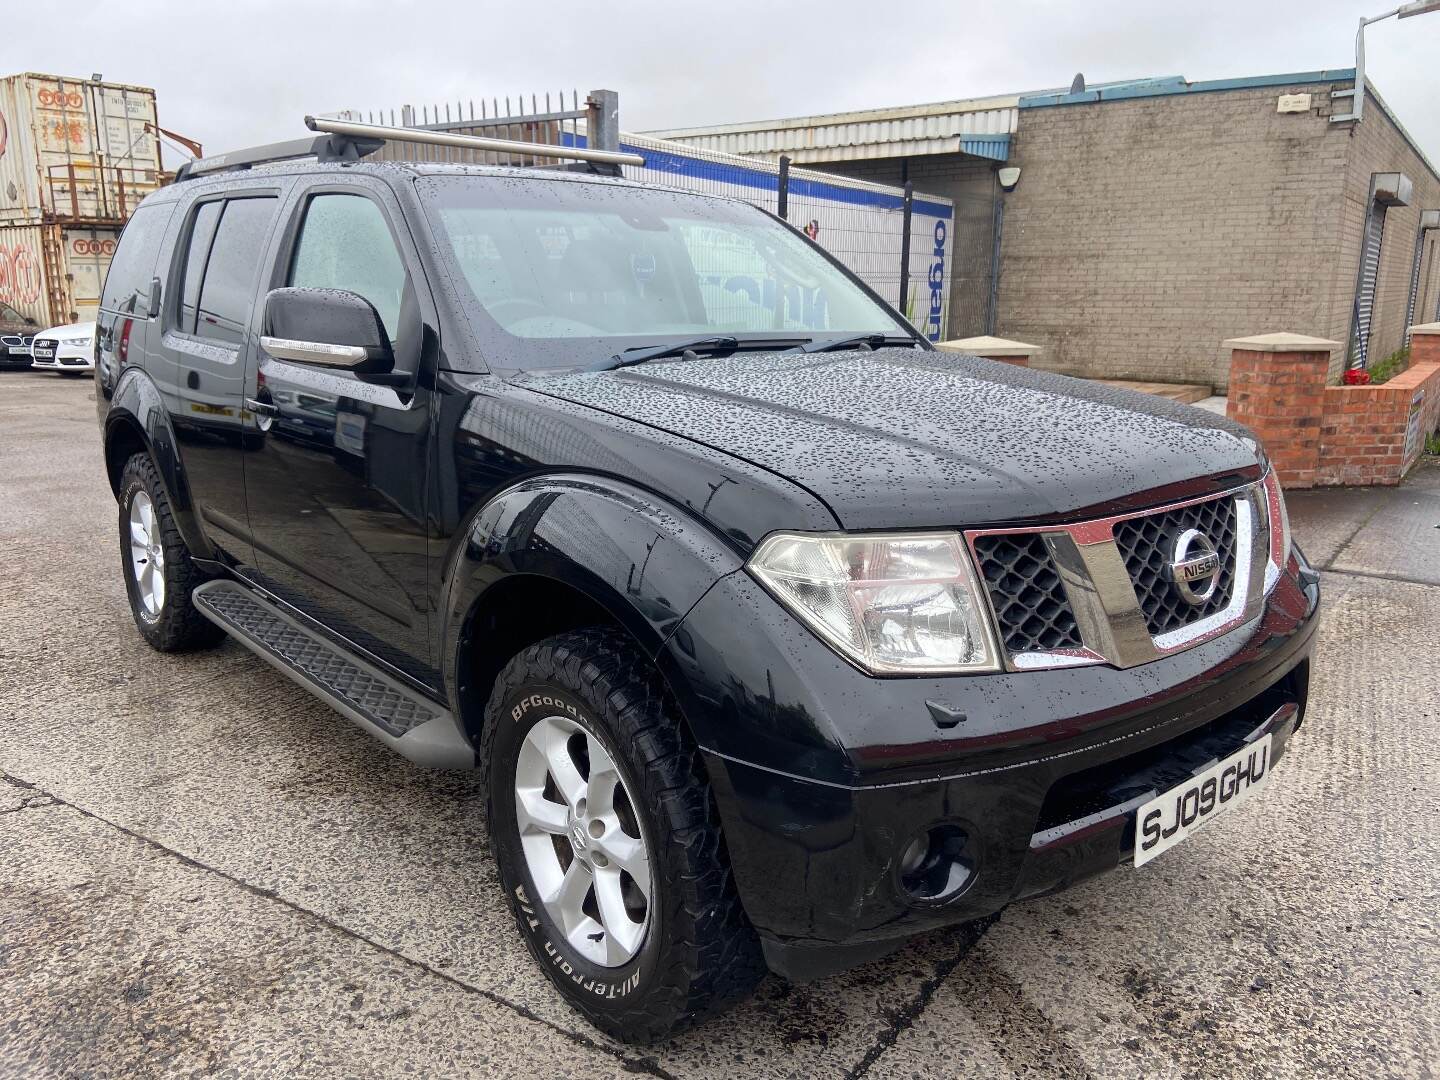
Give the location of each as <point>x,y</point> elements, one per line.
<point>823,775</point>
<point>62,356</point>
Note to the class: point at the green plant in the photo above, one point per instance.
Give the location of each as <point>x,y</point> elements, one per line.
<point>1432,444</point>
<point>1391,366</point>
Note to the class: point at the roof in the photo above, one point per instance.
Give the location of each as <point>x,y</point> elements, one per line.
<point>981,127</point>
<point>978,126</point>
<point>1177,84</point>
<point>288,167</point>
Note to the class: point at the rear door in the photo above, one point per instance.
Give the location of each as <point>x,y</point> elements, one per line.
<point>211,332</point>
<point>336,485</point>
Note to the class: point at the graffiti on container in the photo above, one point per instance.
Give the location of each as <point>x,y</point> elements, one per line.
<point>72,131</point>
<point>4,135</point>
<point>60,99</point>
<point>19,275</point>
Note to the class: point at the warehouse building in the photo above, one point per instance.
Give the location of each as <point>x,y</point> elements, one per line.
<point>1154,219</point>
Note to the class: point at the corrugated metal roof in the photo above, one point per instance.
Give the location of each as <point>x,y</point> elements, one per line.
<point>981,126</point>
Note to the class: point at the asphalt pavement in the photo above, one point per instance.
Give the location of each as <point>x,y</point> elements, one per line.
<point>207,872</point>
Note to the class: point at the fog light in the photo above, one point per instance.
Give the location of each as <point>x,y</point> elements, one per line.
<point>934,866</point>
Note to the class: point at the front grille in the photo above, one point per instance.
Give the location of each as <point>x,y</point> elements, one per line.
<point>1146,544</point>
<point>1030,604</point>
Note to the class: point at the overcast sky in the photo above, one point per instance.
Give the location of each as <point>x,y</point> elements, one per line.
<point>243,72</point>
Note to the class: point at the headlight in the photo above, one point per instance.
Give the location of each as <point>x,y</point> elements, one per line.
<point>1279,528</point>
<point>901,602</point>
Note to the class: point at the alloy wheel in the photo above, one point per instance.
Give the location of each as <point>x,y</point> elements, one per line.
<point>582,841</point>
<point>147,554</point>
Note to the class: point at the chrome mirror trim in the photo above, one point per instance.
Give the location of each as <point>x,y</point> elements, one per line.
<point>315,352</point>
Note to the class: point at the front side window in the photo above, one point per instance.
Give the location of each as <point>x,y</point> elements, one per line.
<point>345,244</point>
<point>565,274</point>
<point>227,292</point>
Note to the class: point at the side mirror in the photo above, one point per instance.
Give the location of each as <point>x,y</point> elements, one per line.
<point>330,327</point>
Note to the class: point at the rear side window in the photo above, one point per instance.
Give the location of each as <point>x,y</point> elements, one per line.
<point>345,244</point>
<point>202,232</point>
<point>127,285</point>
<point>227,292</point>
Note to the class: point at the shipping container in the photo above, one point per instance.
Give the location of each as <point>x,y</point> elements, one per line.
<point>53,273</point>
<point>75,152</point>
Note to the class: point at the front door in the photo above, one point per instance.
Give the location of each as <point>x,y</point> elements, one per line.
<point>336,485</point>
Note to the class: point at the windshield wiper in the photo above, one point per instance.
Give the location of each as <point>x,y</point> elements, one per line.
<point>869,341</point>
<point>638,355</point>
<point>709,343</point>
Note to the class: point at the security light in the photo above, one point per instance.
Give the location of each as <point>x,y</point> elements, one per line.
<point>1357,95</point>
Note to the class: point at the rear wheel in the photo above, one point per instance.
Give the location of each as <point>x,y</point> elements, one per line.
<point>608,841</point>
<point>159,574</point>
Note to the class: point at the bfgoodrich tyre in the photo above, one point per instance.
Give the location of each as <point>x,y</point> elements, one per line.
<point>608,842</point>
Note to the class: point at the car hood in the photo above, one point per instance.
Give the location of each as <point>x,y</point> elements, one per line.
<point>69,331</point>
<point>903,438</point>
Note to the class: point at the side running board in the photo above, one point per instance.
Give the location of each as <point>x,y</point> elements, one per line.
<point>406,721</point>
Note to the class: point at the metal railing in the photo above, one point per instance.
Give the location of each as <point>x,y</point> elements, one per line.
<point>564,119</point>
<point>108,194</point>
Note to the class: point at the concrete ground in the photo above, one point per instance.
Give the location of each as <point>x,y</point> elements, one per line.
<point>205,871</point>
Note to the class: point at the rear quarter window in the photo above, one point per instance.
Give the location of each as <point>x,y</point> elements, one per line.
<point>127,285</point>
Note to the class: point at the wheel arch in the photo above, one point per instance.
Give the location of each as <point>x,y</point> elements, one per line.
<point>558,553</point>
<point>137,422</point>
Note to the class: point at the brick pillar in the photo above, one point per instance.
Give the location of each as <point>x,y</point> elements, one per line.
<point>1277,390</point>
<point>992,348</point>
<point>1425,343</point>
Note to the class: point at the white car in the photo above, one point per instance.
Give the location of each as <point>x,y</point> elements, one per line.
<point>65,348</point>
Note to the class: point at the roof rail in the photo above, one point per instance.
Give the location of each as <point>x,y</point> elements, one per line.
<point>344,140</point>
<point>321,148</point>
<point>381,133</point>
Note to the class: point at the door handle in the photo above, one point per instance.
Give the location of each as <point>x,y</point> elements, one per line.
<point>261,408</point>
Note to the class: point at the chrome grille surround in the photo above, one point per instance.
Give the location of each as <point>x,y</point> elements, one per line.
<point>1113,624</point>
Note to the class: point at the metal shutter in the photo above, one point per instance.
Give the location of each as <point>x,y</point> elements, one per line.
<point>1365,286</point>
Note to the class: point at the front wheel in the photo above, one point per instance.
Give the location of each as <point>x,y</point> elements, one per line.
<point>159,574</point>
<point>608,841</point>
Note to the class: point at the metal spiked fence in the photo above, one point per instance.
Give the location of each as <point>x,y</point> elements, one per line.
<point>558,119</point>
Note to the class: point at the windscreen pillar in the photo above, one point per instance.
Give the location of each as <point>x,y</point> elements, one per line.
<point>993,348</point>
<point>1277,390</point>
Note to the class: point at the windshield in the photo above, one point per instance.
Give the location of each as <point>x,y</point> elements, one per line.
<point>569,274</point>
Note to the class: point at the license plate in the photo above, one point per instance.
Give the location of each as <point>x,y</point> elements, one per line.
<point>43,353</point>
<point>1169,818</point>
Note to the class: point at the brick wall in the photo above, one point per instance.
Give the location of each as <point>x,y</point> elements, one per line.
<point>1144,230</point>
<point>1377,145</point>
<point>1363,433</point>
<point>1281,398</point>
<point>1318,435</point>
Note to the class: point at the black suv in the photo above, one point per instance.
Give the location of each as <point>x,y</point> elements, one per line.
<point>779,635</point>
